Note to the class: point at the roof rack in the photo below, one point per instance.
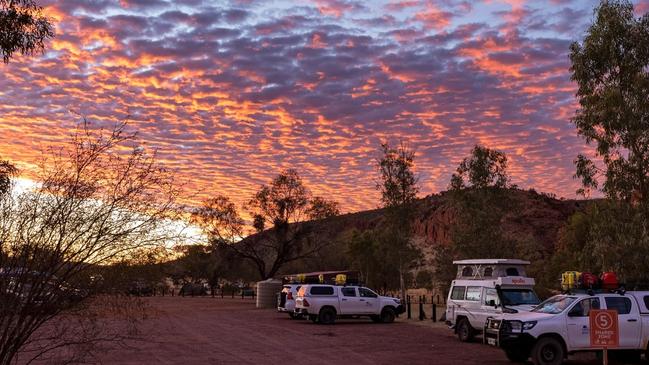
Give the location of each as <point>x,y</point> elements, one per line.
<point>491,262</point>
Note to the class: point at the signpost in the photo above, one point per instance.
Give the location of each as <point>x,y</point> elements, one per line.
<point>604,330</point>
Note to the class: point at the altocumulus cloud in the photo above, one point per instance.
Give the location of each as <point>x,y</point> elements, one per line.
<point>231,92</point>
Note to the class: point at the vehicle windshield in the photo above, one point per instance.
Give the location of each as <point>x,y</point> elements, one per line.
<point>554,305</point>
<point>519,297</point>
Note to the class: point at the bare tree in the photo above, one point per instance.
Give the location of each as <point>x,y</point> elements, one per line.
<point>95,202</point>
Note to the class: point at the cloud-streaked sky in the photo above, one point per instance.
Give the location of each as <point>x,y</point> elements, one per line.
<point>231,92</point>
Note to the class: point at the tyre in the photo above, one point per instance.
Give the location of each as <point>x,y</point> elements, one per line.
<point>516,355</point>
<point>465,332</point>
<point>299,316</point>
<point>626,356</point>
<point>375,318</point>
<point>291,315</point>
<point>387,315</point>
<point>548,351</point>
<point>327,316</point>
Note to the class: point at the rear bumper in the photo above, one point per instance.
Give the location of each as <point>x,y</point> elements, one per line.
<point>302,311</point>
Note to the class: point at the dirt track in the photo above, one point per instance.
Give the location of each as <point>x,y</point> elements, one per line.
<point>232,331</point>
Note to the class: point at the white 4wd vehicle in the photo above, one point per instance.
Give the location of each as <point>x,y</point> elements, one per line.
<point>286,300</point>
<point>324,303</point>
<point>487,288</point>
<point>560,326</point>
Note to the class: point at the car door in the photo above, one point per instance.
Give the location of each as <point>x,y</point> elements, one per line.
<point>490,303</point>
<point>349,301</point>
<point>477,316</point>
<point>628,317</point>
<point>369,301</point>
<point>578,322</point>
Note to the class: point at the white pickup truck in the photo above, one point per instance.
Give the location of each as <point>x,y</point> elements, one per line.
<point>324,303</point>
<point>560,326</point>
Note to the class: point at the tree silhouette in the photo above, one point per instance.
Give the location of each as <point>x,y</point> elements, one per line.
<point>281,233</point>
<point>23,28</point>
<point>484,168</point>
<point>92,206</point>
<point>398,187</point>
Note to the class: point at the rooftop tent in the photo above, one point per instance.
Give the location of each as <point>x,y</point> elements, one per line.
<point>490,268</point>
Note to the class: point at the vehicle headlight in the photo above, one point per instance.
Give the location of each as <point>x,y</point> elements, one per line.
<point>516,326</point>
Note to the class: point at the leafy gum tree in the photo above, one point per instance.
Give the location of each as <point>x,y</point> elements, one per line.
<point>23,28</point>
<point>611,69</point>
<point>281,232</point>
<point>398,186</point>
<point>479,196</point>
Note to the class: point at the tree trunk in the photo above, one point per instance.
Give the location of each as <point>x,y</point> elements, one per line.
<point>402,282</point>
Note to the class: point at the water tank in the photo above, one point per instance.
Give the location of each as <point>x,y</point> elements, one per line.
<point>267,293</point>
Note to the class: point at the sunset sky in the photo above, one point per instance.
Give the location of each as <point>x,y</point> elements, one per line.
<point>231,92</point>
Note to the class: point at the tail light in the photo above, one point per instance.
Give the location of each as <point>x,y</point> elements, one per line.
<point>305,303</point>
<point>289,296</point>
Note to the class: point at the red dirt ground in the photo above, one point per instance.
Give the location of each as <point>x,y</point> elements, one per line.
<point>233,331</point>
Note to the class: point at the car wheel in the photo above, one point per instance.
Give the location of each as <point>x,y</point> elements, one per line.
<point>626,356</point>
<point>387,315</point>
<point>517,355</point>
<point>299,316</point>
<point>547,351</point>
<point>291,315</point>
<point>464,330</point>
<point>327,316</point>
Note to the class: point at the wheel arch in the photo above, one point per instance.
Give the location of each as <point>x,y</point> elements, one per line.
<point>557,337</point>
<point>328,306</point>
<point>457,321</point>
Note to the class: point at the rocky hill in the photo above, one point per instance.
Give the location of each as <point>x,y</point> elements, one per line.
<point>539,217</point>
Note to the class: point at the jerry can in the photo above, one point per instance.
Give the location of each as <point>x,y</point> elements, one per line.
<point>570,279</point>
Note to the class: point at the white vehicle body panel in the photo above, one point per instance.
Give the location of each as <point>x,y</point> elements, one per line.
<point>479,309</point>
<point>354,303</point>
<point>573,325</point>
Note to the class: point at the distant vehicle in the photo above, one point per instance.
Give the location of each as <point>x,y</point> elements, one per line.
<point>193,289</point>
<point>560,326</point>
<point>23,289</point>
<point>286,300</point>
<point>486,288</point>
<point>140,288</point>
<point>325,303</point>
